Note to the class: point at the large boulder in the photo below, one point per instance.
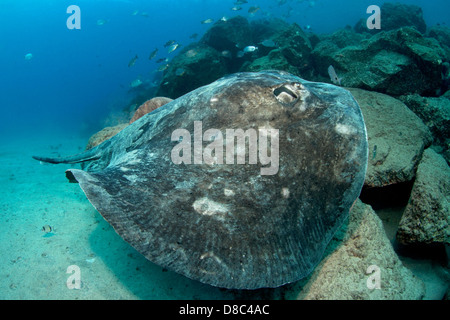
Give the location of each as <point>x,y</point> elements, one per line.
<point>356,253</point>
<point>426,219</point>
<point>231,34</point>
<point>291,52</point>
<point>195,66</point>
<point>295,46</point>
<point>397,62</point>
<point>397,138</point>
<point>264,29</point>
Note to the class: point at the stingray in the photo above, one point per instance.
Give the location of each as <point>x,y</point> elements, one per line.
<point>185,184</point>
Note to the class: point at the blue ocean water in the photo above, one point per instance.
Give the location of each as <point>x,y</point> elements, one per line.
<point>77,77</point>
<point>58,86</point>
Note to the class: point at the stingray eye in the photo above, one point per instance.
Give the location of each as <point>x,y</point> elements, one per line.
<point>288,93</point>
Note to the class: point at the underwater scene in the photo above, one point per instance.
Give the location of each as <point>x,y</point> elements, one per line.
<point>225,150</point>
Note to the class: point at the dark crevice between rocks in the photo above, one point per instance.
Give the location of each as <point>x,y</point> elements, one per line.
<point>396,195</point>
<point>435,251</point>
<point>389,203</point>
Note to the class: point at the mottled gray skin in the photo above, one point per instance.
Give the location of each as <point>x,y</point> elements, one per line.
<point>260,230</point>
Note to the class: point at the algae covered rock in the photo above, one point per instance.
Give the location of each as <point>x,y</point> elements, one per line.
<point>275,60</point>
<point>442,35</point>
<point>397,138</point>
<point>229,35</point>
<point>295,46</point>
<point>397,62</point>
<point>195,66</point>
<point>360,264</point>
<point>426,218</point>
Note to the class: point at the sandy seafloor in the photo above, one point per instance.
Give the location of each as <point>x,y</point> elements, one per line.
<point>34,264</point>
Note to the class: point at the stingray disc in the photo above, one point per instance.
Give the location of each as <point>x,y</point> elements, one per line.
<point>183,187</point>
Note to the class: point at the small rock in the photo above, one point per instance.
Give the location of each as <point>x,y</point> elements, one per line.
<point>104,135</point>
<point>149,106</point>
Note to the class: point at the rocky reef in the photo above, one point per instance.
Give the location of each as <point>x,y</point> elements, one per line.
<point>400,76</point>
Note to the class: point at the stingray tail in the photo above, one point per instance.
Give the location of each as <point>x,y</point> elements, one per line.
<point>89,155</point>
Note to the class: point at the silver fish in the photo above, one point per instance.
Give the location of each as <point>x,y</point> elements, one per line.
<point>250,49</point>
<point>333,76</point>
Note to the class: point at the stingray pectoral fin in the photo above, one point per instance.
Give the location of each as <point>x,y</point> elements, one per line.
<point>96,187</point>
<point>90,155</point>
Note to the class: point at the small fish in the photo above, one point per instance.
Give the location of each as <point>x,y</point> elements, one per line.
<point>173,47</point>
<point>180,71</point>
<point>269,43</point>
<point>163,67</point>
<point>28,56</point>
<point>374,152</point>
<point>250,49</point>
<point>191,53</point>
<point>252,10</point>
<point>153,54</point>
<point>145,14</point>
<point>135,13</point>
<point>161,60</point>
<point>101,22</point>
<point>236,8</point>
<point>333,76</point>
<point>224,19</point>
<point>193,36</point>
<point>207,21</point>
<point>132,61</point>
<point>136,83</point>
<point>240,54</point>
<point>239,2</point>
<point>226,54</point>
<point>47,229</point>
<point>169,43</point>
